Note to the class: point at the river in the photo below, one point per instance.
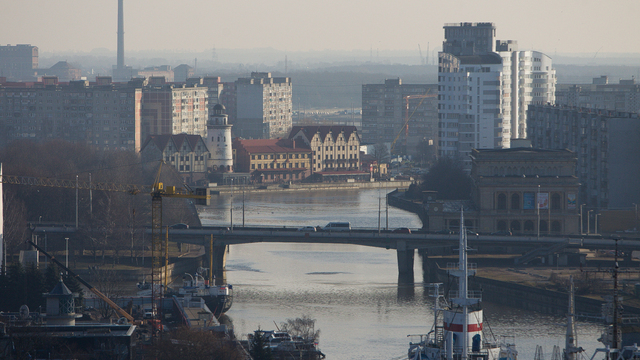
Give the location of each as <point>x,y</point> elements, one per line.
<point>351,291</point>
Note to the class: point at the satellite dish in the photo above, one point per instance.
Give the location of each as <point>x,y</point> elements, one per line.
<point>24,312</point>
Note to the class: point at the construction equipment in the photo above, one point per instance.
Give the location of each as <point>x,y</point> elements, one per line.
<point>102,296</point>
<point>407,117</point>
<point>157,192</point>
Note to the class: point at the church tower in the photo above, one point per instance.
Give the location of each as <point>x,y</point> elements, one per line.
<point>218,141</point>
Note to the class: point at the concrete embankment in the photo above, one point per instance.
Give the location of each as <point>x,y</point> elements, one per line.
<point>226,189</point>
<point>500,286</point>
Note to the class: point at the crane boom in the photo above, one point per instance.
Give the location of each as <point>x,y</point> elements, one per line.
<point>102,296</point>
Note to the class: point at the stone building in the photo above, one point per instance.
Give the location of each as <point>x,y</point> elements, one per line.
<point>508,183</point>
<point>187,154</point>
<point>272,160</point>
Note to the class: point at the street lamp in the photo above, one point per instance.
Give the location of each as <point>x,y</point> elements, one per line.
<point>231,205</point>
<point>596,224</point>
<point>636,218</point>
<point>581,222</point>
<point>589,221</point>
<point>67,249</point>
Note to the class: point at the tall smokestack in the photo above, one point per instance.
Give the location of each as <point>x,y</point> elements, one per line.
<point>120,35</point>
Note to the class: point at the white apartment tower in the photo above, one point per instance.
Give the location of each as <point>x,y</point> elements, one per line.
<point>484,88</point>
<point>218,141</point>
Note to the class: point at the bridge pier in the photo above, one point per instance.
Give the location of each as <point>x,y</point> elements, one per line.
<point>216,259</point>
<point>405,259</point>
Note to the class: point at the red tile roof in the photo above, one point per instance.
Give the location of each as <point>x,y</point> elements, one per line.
<point>254,146</point>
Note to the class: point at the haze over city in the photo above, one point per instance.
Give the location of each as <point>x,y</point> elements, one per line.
<point>590,28</point>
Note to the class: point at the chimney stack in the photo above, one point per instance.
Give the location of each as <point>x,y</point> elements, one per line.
<point>120,64</point>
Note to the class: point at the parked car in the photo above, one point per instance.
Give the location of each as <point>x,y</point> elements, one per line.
<point>179,226</point>
<point>471,233</point>
<point>307,228</point>
<point>402,231</point>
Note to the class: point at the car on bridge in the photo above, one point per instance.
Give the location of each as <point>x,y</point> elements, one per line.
<point>443,231</point>
<point>402,231</point>
<point>179,226</point>
<point>307,228</point>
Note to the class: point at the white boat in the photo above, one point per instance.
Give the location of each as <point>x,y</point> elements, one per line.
<point>459,336</point>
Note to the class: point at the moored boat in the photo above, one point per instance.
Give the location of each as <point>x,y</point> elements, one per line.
<point>459,335</point>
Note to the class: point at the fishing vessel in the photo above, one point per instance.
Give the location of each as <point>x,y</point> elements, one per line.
<point>457,332</point>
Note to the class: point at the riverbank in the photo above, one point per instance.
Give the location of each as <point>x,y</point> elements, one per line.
<point>227,189</point>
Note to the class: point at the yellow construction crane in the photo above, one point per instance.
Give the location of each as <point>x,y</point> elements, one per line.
<point>407,117</point>
<point>157,192</point>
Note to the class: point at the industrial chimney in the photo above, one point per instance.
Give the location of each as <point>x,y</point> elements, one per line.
<point>120,65</point>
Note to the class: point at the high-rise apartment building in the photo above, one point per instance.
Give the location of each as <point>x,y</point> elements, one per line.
<point>102,114</point>
<point>484,88</point>
<point>174,109</point>
<point>264,106</point>
<point>402,114</point>
<point>606,145</point>
<point>18,62</point>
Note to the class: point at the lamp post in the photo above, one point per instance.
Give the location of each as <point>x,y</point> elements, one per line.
<point>67,249</point>
<point>581,222</point>
<point>538,211</point>
<point>589,221</point>
<point>635,222</point>
<point>596,224</point>
<point>231,207</point>
<point>243,185</point>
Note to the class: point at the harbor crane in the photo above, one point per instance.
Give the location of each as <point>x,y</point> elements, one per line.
<point>157,191</point>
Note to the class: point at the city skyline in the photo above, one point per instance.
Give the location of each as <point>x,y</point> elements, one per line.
<point>550,27</point>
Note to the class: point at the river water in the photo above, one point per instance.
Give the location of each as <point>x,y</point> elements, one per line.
<point>351,291</point>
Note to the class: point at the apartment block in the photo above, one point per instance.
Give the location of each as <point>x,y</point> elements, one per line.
<point>103,114</point>
<point>600,94</point>
<point>263,106</point>
<point>19,62</point>
<point>174,109</point>
<point>606,145</point>
<point>401,114</point>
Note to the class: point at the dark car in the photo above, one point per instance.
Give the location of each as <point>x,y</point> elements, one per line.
<point>444,231</point>
<point>402,231</point>
<point>179,226</point>
<point>471,233</point>
<point>502,233</point>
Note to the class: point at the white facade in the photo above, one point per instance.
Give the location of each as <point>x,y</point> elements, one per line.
<point>218,141</point>
<point>483,96</point>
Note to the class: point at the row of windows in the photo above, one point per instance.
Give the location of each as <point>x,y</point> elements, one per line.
<point>517,202</point>
<point>280,156</point>
<point>277,166</point>
<point>528,226</point>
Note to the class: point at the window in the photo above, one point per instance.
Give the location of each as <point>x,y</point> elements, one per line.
<point>502,204</point>
<point>515,201</point>
<point>555,201</point>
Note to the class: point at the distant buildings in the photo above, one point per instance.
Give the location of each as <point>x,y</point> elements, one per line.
<point>624,96</point>
<point>484,89</point>
<point>104,115</point>
<point>401,114</point>
<point>606,145</point>
<point>19,62</point>
<point>263,106</point>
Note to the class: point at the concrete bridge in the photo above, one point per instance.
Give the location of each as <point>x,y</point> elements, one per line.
<point>404,244</point>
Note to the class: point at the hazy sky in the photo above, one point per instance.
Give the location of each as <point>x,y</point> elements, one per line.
<point>562,26</point>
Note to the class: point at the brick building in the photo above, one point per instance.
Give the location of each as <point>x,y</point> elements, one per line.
<point>272,160</point>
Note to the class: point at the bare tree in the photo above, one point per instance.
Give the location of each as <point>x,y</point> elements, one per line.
<point>15,223</point>
<point>303,327</point>
<point>110,283</point>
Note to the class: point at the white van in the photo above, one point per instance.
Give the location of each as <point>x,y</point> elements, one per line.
<point>337,226</point>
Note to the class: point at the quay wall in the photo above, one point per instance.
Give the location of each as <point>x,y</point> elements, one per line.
<point>533,298</point>
<point>226,189</point>
<point>396,199</point>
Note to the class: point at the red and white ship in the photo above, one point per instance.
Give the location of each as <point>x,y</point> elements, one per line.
<point>459,335</point>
